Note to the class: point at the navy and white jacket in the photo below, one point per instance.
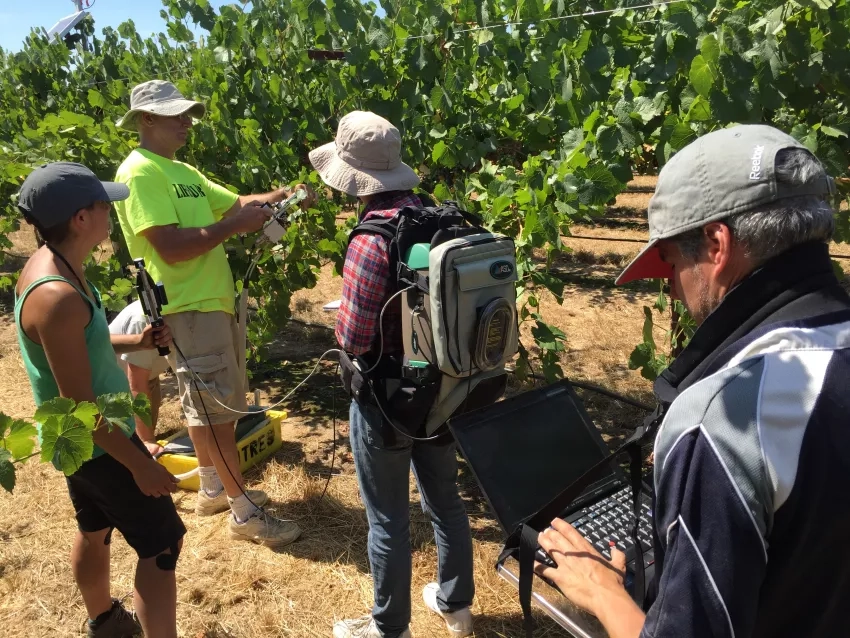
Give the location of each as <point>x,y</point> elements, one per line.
<point>752,463</point>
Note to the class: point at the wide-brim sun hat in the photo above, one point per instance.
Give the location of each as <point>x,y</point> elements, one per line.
<point>365,157</point>
<point>159,98</point>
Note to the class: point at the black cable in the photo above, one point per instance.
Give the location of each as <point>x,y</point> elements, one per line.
<point>619,397</point>
<point>333,447</point>
<point>395,427</point>
<point>73,272</point>
<point>212,430</point>
<point>594,388</point>
<point>218,446</point>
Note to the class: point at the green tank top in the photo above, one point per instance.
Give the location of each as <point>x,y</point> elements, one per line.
<point>107,375</point>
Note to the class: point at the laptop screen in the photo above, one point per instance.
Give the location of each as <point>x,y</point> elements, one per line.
<point>526,450</point>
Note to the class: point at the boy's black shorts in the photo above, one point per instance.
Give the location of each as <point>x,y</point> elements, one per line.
<point>104,494</point>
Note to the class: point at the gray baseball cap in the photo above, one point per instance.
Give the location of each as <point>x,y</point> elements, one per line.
<point>53,193</point>
<point>160,98</point>
<point>721,174</point>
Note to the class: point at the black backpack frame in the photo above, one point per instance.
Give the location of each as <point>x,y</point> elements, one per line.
<point>410,404</point>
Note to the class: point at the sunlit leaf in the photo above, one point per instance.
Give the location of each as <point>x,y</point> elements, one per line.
<point>117,409</point>
<point>66,443</point>
<point>17,436</point>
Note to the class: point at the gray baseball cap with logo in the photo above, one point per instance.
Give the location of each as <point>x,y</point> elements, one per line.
<point>158,97</point>
<point>724,173</point>
<point>53,193</point>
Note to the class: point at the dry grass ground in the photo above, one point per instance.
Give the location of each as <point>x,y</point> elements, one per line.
<point>228,590</point>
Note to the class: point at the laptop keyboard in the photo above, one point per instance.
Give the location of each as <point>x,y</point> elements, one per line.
<point>608,522</point>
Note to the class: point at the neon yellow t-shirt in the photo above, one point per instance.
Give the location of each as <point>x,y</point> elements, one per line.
<point>164,192</point>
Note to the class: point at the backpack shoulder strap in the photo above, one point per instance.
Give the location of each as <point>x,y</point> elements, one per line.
<point>386,228</point>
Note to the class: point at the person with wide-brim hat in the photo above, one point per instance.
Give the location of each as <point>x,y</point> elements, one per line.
<point>365,161</point>
<point>365,158</point>
<point>177,220</point>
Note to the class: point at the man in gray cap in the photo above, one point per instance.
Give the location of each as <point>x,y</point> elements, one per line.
<point>177,219</point>
<point>751,515</point>
<point>67,351</point>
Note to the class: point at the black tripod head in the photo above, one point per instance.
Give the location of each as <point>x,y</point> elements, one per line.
<point>153,298</point>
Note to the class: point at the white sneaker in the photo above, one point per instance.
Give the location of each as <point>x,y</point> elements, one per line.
<point>459,622</point>
<point>364,627</point>
<point>210,505</point>
<point>265,530</point>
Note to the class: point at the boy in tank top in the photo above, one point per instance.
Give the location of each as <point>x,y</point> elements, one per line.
<point>68,351</point>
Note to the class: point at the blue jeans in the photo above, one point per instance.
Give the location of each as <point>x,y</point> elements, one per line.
<point>383,474</point>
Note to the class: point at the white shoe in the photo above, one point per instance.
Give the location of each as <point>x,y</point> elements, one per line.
<point>265,530</point>
<point>364,627</point>
<point>458,622</point>
<point>211,505</point>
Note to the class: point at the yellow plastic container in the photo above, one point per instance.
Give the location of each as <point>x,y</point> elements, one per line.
<point>253,448</point>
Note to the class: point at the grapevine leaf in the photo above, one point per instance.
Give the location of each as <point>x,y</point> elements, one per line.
<point>552,284</point>
<point>422,60</point>
<point>7,471</point>
<point>87,413</point>
<point>438,151</point>
<point>17,436</point>
<point>538,74</point>
<point>597,57</point>
<point>832,156</point>
<point>640,356</point>
<point>66,443</point>
<point>117,409</point>
<point>832,132</point>
<point>608,138</point>
<point>441,192</point>
<point>682,136</point>
<point>646,109</point>
<point>700,110</point>
<point>59,406</point>
<point>661,302</point>
<point>437,96</point>
<point>142,407</point>
<point>807,136</point>
<point>484,36</point>
<point>439,131</point>
<point>567,89</point>
<point>573,140</point>
<point>500,204</point>
<point>599,186</point>
<point>551,368</point>
<point>513,103</point>
<point>96,98</point>
<point>701,76</point>
<point>648,325</point>
<point>710,51</point>
<point>548,337</point>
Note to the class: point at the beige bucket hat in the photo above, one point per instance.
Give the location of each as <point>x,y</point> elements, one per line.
<point>160,98</point>
<point>365,158</point>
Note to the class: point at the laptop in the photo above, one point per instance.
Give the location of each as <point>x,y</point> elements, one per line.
<point>527,449</point>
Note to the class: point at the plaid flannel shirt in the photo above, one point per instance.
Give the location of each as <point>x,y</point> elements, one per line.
<point>367,283</point>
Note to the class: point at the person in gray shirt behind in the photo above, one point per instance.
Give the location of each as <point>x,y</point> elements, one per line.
<point>143,369</point>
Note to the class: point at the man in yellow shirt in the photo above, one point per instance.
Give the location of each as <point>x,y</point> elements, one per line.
<point>177,220</point>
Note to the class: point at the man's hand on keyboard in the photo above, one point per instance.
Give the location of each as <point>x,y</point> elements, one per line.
<point>589,580</point>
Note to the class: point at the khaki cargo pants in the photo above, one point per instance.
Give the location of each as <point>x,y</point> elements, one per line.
<point>208,341</point>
